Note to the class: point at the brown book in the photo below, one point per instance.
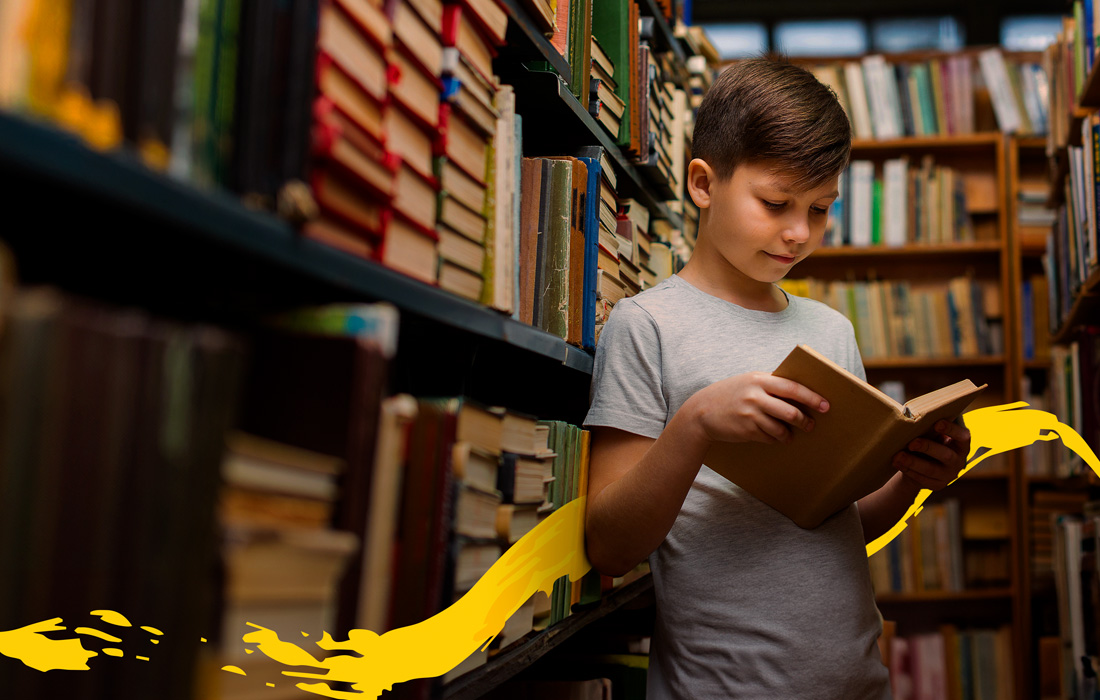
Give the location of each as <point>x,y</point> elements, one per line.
<point>406,138</point>
<point>529,198</point>
<point>341,39</point>
<point>410,248</point>
<point>460,281</point>
<point>460,250</point>
<point>848,453</point>
<point>416,36</point>
<point>575,279</point>
<point>337,235</point>
<point>352,152</point>
<point>415,197</point>
<point>411,86</point>
<point>340,199</point>
<point>462,187</point>
<point>350,97</point>
<point>462,219</point>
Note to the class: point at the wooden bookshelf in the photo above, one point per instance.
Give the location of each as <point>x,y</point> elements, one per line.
<point>945,596</point>
<point>952,250</point>
<point>933,362</point>
<point>959,141</point>
<point>1083,310</point>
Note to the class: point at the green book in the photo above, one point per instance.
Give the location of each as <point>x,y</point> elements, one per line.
<point>611,27</point>
<point>553,296</point>
<point>926,100</point>
<point>580,48</point>
<point>876,212</point>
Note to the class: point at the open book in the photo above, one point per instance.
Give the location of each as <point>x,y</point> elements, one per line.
<point>849,452</point>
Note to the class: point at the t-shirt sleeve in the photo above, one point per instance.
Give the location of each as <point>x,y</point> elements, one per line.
<point>627,391</point>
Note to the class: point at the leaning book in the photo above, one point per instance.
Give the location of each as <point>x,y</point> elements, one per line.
<point>848,453</point>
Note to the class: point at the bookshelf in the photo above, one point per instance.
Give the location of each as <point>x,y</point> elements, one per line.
<point>110,228</point>
<point>1054,488</point>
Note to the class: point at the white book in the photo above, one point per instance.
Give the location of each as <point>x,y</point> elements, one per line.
<point>895,208</point>
<point>875,76</point>
<point>857,98</point>
<point>995,74</point>
<point>862,188</point>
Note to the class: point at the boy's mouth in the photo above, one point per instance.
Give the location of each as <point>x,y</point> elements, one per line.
<point>784,259</point>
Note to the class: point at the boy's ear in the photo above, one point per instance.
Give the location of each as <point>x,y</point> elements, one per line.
<point>699,179</point>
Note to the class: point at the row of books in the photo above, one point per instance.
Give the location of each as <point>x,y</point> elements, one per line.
<point>1075,539</point>
<point>952,663</point>
<point>1073,381</point>
<point>891,98</point>
<point>1069,60</point>
<point>899,204</point>
<point>112,432</point>
<point>1072,247</point>
<point>958,318</point>
<point>1046,508</point>
<point>1035,317</point>
<point>949,547</point>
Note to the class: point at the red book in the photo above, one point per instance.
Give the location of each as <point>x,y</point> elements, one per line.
<point>460,31</point>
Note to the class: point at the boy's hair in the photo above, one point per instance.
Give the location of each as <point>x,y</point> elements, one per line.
<point>770,110</point>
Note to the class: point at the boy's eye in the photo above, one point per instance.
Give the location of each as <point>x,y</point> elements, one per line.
<point>819,210</point>
<point>772,205</point>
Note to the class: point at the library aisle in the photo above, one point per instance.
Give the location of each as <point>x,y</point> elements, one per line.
<point>298,326</point>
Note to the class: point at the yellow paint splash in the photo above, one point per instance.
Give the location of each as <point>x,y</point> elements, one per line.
<point>112,618</point>
<point>995,430</point>
<point>96,633</point>
<point>113,652</point>
<point>152,630</point>
<point>553,549</point>
<point>33,648</point>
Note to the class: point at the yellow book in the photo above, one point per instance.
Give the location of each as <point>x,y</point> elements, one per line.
<point>848,453</point>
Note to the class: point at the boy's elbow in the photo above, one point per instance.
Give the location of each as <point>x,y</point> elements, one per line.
<point>604,560</point>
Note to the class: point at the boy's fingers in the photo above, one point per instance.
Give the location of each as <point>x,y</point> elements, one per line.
<point>773,429</point>
<point>787,389</point>
<point>788,413</point>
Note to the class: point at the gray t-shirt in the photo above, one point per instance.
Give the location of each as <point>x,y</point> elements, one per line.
<point>749,605</point>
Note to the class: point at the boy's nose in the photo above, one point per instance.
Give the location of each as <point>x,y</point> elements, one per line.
<point>797,230</point>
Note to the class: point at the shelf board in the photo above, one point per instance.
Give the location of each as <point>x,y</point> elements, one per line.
<point>945,596</point>
<point>1087,301</point>
<point>549,107</point>
<point>519,656</point>
<point>1039,363</point>
<point>215,219</point>
<point>983,139</point>
<point>908,251</point>
<point>523,33</point>
<point>1031,142</point>
<point>932,362</point>
<point>1033,241</point>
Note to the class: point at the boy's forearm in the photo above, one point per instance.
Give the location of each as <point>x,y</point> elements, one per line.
<point>881,510</point>
<point>629,519</point>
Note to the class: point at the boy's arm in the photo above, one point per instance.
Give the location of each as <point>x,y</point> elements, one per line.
<point>636,484</point>
<point>932,462</point>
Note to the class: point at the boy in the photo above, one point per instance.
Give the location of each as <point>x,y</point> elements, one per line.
<point>749,605</point>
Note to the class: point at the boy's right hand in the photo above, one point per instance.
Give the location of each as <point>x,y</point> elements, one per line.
<point>755,407</point>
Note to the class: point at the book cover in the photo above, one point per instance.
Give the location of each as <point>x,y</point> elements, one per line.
<point>848,453</point>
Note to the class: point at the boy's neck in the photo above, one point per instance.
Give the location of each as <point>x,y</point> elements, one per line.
<point>709,272</point>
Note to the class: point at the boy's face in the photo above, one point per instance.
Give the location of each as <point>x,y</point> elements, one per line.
<point>760,225</point>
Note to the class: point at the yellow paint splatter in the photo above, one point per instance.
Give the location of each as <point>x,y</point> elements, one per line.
<point>234,669</point>
<point>152,630</point>
<point>113,652</point>
<point>305,634</point>
<point>157,641</point>
<point>270,685</point>
<point>249,651</point>
<point>112,618</point>
<point>142,658</point>
<point>202,639</point>
<point>33,648</point>
<point>96,633</point>
<point>995,430</point>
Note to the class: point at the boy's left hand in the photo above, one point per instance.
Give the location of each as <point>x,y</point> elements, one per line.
<point>935,459</point>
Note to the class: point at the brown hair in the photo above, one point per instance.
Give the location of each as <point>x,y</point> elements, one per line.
<point>766,109</point>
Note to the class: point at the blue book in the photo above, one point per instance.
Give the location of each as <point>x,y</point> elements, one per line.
<point>591,252</point>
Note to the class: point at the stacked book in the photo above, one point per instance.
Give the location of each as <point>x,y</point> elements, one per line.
<point>376,117</point>
<point>951,663</point>
<point>603,102</point>
<point>958,318</point>
<point>282,558</point>
<point>902,203</point>
<point>1068,61</point>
